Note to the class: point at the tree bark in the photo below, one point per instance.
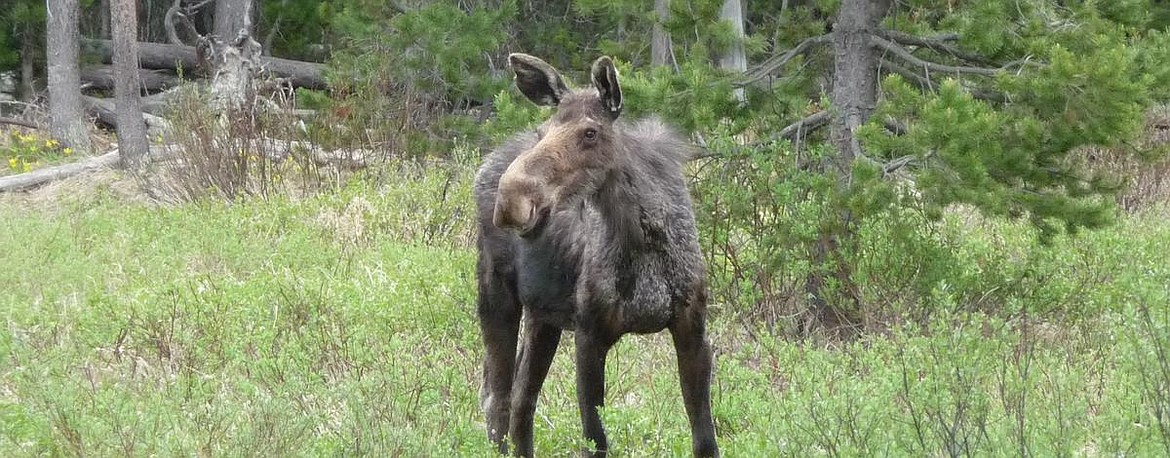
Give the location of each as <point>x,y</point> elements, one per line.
<point>660,53</point>
<point>28,50</point>
<point>854,96</point>
<point>65,108</point>
<point>232,16</point>
<point>172,57</point>
<point>105,10</point>
<point>733,59</point>
<point>131,128</point>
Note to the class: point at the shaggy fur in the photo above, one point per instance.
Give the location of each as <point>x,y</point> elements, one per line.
<point>607,245</point>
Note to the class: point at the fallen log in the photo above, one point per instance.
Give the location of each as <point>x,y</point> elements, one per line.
<point>105,111</point>
<point>173,57</point>
<point>19,122</point>
<point>45,175</point>
<point>152,80</point>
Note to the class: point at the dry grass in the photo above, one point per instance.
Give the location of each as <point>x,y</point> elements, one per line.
<point>1145,176</point>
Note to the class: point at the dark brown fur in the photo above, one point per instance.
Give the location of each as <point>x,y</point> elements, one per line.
<point>586,225</point>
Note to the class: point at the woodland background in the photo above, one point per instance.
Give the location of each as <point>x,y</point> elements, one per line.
<point>236,227</point>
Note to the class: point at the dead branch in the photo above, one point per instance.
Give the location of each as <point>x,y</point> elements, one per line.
<point>919,81</point>
<point>926,84</point>
<point>938,44</point>
<point>775,62</point>
<point>181,13</point>
<point>905,55</point>
<point>804,126</point>
<point>894,126</point>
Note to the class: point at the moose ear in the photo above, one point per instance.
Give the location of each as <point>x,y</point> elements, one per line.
<point>605,78</point>
<point>538,80</point>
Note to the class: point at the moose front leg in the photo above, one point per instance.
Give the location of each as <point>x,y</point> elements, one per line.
<point>694,371</point>
<point>499,321</point>
<point>536,355</point>
<point>591,353</point>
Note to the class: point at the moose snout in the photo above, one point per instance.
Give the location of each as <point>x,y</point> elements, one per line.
<point>518,212</point>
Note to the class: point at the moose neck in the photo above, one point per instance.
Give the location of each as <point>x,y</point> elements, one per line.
<point>622,201</point>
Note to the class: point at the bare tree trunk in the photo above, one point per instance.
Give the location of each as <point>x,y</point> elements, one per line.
<point>28,52</point>
<point>660,44</point>
<point>131,128</point>
<point>733,58</point>
<point>65,108</point>
<point>854,97</point>
<point>232,16</point>
<point>105,11</point>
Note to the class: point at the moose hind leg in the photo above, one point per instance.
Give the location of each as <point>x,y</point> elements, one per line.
<point>499,322</point>
<point>694,371</point>
<point>536,355</point>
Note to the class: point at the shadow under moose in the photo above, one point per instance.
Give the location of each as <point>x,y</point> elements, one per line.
<point>586,225</point>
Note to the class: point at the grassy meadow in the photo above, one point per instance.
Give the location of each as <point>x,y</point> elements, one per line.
<point>343,324</point>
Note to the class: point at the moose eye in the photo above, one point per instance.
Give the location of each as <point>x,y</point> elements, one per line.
<point>590,134</point>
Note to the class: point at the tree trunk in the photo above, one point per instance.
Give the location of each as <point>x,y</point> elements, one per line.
<point>28,90</point>
<point>65,109</point>
<point>733,58</point>
<point>660,44</point>
<point>131,128</point>
<point>854,96</point>
<point>232,16</point>
<point>105,10</point>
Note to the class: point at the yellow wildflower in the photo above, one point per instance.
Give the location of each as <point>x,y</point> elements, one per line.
<point>68,151</point>
<point>27,167</point>
<point>13,163</point>
<point>50,143</point>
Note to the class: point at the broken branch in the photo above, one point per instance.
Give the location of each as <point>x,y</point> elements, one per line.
<point>804,126</point>
<point>775,62</point>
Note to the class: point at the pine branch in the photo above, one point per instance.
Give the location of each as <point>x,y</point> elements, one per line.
<point>775,62</point>
<point>938,44</point>
<point>905,55</point>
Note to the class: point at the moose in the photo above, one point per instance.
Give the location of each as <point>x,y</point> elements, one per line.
<point>586,225</point>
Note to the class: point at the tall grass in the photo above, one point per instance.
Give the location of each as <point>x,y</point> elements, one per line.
<point>343,324</point>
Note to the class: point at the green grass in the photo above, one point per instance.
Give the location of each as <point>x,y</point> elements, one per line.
<point>344,324</point>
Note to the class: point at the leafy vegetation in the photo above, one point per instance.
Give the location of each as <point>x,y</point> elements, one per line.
<point>25,152</point>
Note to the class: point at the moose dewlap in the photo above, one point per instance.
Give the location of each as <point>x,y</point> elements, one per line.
<point>586,225</point>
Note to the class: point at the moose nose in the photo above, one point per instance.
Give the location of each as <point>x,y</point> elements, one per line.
<point>515,213</point>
